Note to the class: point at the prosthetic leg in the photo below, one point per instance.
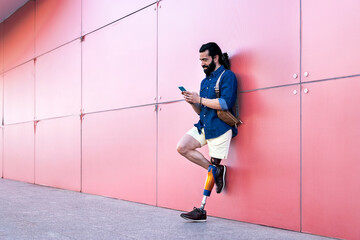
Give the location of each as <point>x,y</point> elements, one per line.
<point>210,180</point>
<point>215,171</point>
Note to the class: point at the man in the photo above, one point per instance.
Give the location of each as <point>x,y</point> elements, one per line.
<point>210,129</point>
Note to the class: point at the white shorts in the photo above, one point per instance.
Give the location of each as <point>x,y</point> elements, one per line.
<point>218,147</point>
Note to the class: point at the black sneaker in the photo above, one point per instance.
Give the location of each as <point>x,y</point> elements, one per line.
<point>220,178</point>
<point>196,215</point>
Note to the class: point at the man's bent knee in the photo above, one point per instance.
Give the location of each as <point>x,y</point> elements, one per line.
<point>182,149</point>
<point>186,144</point>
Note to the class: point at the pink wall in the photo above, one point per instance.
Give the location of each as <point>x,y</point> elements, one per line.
<point>102,114</point>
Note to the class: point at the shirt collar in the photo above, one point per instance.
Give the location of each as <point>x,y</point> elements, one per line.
<point>217,71</point>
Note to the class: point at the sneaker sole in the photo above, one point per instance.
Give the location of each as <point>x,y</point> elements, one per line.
<point>223,179</point>
<point>192,220</point>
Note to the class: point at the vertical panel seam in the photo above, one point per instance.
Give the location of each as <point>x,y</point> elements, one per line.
<point>156,106</point>
<point>81,95</point>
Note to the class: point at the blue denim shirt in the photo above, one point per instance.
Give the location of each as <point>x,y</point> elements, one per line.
<point>213,126</point>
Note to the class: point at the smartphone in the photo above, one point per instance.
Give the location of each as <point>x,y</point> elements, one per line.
<point>182,89</point>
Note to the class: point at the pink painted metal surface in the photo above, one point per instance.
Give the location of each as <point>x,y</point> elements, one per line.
<point>57,22</point>
<point>58,82</point>
<point>1,48</point>
<point>96,14</point>
<point>1,128</point>
<point>19,152</point>
<point>119,154</point>
<point>1,151</point>
<point>180,182</point>
<point>263,45</point>
<point>119,64</point>
<point>330,39</point>
<point>263,175</point>
<point>19,94</point>
<point>19,36</point>
<point>331,136</point>
<point>58,153</point>
<point>1,97</point>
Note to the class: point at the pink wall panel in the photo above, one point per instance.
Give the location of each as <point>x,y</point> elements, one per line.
<point>263,45</point>
<point>264,161</point>
<point>19,36</point>
<point>1,48</point>
<point>19,94</point>
<point>1,99</point>
<point>263,186</point>
<point>180,183</point>
<point>331,136</point>
<point>58,153</point>
<point>19,152</point>
<point>58,82</point>
<point>119,154</point>
<point>1,129</point>
<point>330,38</point>
<point>57,22</point>
<point>96,14</point>
<point>1,152</point>
<point>119,63</point>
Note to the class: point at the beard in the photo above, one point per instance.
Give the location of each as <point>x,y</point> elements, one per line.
<point>208,69</point>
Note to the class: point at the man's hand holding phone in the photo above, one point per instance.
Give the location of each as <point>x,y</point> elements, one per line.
<point>190,97</point>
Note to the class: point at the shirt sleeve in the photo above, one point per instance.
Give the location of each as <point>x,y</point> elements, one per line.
<point>223,104</point>
<point>228,90</point>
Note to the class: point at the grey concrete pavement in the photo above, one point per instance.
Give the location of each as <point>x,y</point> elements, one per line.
<point>30,211</point>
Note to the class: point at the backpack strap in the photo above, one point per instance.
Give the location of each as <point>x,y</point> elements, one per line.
<point>217,89</point>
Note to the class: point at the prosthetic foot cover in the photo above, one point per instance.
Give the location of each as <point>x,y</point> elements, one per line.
<point>210,180</point>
